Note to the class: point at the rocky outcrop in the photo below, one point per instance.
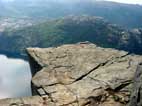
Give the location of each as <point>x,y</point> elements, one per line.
<point>83,74</point>
<point>27,101</point>
<point>80,75</point>
<point>136,97</point>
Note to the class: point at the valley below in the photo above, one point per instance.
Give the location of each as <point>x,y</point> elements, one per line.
<point>70,53</point>
<point>9,23</point>
<point>16,37</point>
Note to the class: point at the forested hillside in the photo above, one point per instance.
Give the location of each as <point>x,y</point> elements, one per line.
<point>116,13</point>
<point>71,29</point>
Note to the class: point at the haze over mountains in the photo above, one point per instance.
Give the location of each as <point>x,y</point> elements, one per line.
<point>50,23</point>
<point>116,13</point>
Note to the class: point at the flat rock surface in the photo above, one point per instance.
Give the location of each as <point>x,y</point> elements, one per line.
<point>82,75</point>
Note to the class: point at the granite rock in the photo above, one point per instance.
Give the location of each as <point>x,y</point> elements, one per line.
<point>82,75</point>
<point>136,96</point>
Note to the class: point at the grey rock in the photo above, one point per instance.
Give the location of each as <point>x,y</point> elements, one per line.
<point>136,98</point>
<point>27,101</point>
<point>81,75</point>
<point>72,74</point>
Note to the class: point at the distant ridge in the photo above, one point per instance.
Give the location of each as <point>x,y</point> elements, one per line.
<point>116,13</point>
<point>72,29</point>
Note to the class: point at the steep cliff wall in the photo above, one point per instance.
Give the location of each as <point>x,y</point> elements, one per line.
<point>136,96</point>
<point>79,75</point>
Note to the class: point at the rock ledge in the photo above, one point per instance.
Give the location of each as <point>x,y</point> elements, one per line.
<point>80,75</point>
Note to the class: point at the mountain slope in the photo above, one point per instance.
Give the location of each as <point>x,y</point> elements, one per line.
<point>71,30</point>
<point>116,13</point>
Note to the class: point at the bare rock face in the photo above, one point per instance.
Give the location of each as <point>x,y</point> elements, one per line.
<point>79,75</point>
<point>83,75</point>
<point>136,97</point>
<point>27,101</point>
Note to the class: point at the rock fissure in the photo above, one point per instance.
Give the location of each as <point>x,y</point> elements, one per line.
<point>82,75</point>
<point>101,65</point>
<point>77,78</point>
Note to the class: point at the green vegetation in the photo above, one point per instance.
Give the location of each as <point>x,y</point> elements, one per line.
<point>71,29</point>
<point>116,13</point>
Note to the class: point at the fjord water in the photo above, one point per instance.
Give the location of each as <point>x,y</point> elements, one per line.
<point>15,78</point>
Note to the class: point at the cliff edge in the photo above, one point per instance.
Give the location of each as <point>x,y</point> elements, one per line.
<point>79,75</point>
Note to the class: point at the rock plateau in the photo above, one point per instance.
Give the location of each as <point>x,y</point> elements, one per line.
<point>80,75</point>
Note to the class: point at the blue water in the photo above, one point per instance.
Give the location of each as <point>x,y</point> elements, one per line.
<point>15,77</point>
